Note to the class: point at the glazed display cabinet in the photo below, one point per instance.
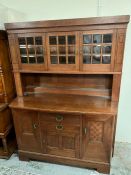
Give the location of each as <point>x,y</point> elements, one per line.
<point>7,93</point>
<point>67,75</point>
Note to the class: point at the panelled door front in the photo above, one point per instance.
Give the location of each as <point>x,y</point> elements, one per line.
<point>98,137</point>
<point>63,50</point>
<point>32,51</point>
<point>27,130</point>
<point>97,50</point>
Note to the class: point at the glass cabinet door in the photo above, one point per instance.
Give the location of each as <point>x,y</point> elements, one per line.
<point>63,51</point>
<point>97,50</point>
<point>32,51</point>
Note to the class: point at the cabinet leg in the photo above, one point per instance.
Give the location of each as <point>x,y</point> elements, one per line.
<point>23,158</point>
<point>104,169</point>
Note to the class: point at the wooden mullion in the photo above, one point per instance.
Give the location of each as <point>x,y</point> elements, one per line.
<point>101,53</point>
<point>47,51</point>
<point>91,53</point>
<point>57,45</point>
<point>27,50</point>
<point>35,49</point>
<point>66,49</point>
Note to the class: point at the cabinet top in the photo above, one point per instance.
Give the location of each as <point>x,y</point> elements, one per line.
<point>76,104</point>
<point>108,20</point>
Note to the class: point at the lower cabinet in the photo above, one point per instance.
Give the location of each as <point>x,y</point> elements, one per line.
<point>60,134</point>
<point>27,130</point>
<point>98,137</point>
<point>84,140</point>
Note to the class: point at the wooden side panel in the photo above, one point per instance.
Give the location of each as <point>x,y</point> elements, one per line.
<point>14,58</point>
<point>121,34</point>
<point>116,87</point>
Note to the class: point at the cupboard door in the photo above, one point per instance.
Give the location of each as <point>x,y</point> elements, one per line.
<point>98,137</point>
<point>60,138</point>
<point>32,51</point>
<point>97,50</point>
<point>27,130</point>
<point>63,49</point>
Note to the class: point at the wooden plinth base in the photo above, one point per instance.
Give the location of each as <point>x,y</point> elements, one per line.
<point>98,166</point>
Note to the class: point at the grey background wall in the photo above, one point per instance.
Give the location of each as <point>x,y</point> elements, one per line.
<point>28,10</point>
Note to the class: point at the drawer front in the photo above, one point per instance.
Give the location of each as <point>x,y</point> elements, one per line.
<point>65,119</point>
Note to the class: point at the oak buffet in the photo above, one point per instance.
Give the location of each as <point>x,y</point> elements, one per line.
<point>67,75</point>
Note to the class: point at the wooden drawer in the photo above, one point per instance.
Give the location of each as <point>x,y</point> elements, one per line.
<point>65,119</point>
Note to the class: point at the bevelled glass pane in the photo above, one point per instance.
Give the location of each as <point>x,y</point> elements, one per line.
<point>86,49</point>
<point>87,39</point>
<point>62,59</point>
<point>61,39</point>
<point>106,59</point>
<point>53,50</point>
<point>107,38</point>
<point>54,60</point>
<point>86,59</point>
<point>96,59</point>
<point>71,39</point>
<point>22,51</point>
<point>30,40</point>
<point>97,38</point>
<point>106,50</point>
<point>31,50</point>
<point>22,41</point>
<point>71,59</point>
<point>71,50</point>
<point>32,60</point>
<point>38,40</point>
<point>24,60</point>
<point>62,50</point>
<point>97,49</point>
<point>39,50</point>
<point>40,59</point>
<point>52,40</point>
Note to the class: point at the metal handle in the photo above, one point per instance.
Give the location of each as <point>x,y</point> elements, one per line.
<point>59,118</point>
<point>35,125</point>
<point>59,127</point>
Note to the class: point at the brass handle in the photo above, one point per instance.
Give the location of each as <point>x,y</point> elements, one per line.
<point>59,118</point>
<point>35,126</point>
<point>59,127</point>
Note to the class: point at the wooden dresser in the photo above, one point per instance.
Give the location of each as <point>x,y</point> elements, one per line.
<point>7,93</point>
<point>67,75</point>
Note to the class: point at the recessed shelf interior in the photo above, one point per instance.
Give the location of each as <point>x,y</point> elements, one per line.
<point>92,85</point>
